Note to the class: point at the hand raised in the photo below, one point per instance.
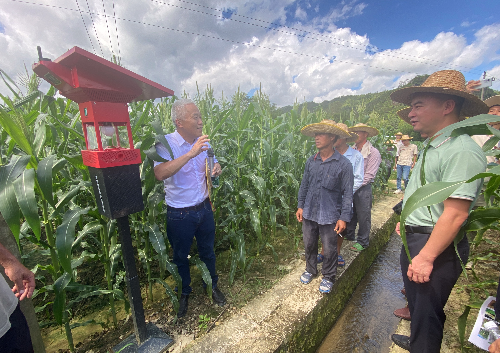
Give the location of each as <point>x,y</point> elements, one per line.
<point>199,146</point>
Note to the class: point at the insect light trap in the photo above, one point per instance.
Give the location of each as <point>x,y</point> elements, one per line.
<point>102,90</point>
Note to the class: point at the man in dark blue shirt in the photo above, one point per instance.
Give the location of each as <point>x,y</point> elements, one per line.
<point>324,201</point>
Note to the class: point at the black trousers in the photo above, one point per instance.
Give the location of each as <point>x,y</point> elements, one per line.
<point>17,339</point>
<point>427,300</point>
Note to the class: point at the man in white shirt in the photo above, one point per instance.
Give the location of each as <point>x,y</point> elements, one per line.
<point>189,211</point>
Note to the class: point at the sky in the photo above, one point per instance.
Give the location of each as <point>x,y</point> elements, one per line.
<point>305,50</point>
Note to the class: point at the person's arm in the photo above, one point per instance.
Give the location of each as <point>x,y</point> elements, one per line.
<point>166,169</point>
<point>395,162</point>
<point>24,279</point>
<point>359,172</point>
<point>304,186</point>
<point>414,160</point>
<point>454,215</point>
<point>347,183</point>
<point>372,164</point>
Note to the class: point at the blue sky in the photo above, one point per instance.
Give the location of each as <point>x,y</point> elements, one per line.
<point>295,50</point>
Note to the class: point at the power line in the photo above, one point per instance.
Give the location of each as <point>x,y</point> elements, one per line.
<point>93,25</point>
<point>469,69</point>
<point>229,40</point>
<point>116,29</point>
<point>84,25</point>
<point>109,35</point>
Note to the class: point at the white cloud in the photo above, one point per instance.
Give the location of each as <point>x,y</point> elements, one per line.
<point>186,45</point>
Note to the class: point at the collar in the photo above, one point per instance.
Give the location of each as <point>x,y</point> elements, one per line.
<point>180,140</point>
<point>335,155</point>
<point>438,141</point>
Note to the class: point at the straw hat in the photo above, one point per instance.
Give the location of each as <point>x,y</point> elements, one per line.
<point>363,127</point>
<point>403,114</point>
<point>326,126</point>
<point>406,137</point>
<point>490,102</point>
<point>354,136</point>
<point>398,133</point>
<point>450,82</point>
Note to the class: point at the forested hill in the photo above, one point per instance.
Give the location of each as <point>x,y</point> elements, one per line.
<point>374,109</point>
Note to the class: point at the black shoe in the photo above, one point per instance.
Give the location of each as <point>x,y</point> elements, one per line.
<point>401,341</point>
<point>218,297</point>
<point>183,305</point>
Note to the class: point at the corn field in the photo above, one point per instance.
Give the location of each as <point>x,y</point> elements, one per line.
<point>48,200</point>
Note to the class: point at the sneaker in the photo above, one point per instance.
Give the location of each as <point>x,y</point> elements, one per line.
<point>398,191</point>
<point>325,286</point>
<point>306,277</point>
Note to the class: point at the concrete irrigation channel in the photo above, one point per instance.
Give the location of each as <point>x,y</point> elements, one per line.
<point>292,317</point>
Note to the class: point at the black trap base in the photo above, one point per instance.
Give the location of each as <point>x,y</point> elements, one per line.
<point>157,341</point>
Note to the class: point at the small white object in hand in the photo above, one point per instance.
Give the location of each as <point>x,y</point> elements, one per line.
<point>21,291</point>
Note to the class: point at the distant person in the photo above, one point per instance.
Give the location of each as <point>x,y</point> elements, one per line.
<point>14,331</point>
<point>189,211</point>
<point>362,200</point>
<point>324,201</point>
<point>357,162</point>
<point>405,159</point>
<point>430,231</point>
<point>493,104</point>
<point>398,142</point>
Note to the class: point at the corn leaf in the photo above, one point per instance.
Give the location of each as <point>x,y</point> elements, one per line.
<point>205,274</point>
<point>44,177</point>
<point>60,300</point>
<point>65,235</point>
<point>9,206</point>
<point>24,188</point>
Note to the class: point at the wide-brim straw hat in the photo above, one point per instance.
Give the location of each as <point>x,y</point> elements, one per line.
<point>354,136</point>
<point>450,82</point>
<point>403,114</point>
<point>398,133</point>
<point>406,137</point>
<point>490,102</point>
<point>326,126</point>
<point>363,127</point>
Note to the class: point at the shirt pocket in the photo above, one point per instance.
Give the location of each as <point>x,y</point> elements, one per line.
<point>331,179</point>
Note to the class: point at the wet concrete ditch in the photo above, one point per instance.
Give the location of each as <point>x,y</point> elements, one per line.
<point>292,317</point>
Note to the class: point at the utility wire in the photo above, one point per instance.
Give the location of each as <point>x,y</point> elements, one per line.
<point>109,35</point>
<point>93,25</point>
<point>313,36</point>
<point>84,25</point>
<point>116,30</point>
<point>229,40</point>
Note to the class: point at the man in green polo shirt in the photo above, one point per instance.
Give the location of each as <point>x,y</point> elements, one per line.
<point>441,101</point>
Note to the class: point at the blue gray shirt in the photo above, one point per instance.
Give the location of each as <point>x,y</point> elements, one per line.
<point>325,193</point>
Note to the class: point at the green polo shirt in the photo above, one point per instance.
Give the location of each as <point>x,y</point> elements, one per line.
<point>447,159</point>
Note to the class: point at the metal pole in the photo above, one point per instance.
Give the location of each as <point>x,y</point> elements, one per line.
<point>134,289</point>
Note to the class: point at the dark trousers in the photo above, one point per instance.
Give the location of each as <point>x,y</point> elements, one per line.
<point>362,213</point>
<point>17,339</point>
<point>427,300</point>
<point>182,227</point>
<point>311,232</point>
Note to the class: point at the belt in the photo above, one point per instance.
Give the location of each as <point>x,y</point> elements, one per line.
<point>190,208</point>
<point>419,229</point>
